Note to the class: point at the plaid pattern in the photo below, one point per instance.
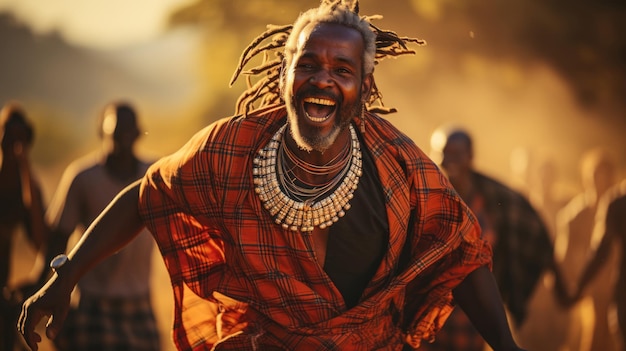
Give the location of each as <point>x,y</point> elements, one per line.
<point>522,251</point>
<point>458,334</point>
<point>215,235</point>
<point>100,324</point>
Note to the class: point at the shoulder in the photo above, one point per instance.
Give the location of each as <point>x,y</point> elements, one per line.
<point>241,130</point>
<point>574,208</point>
<point>382,136</point>
<point>225,139</point>
<point>503,193</point>
<point>81,174</point>
<point>85,166</point>
<point>495,185</point>
<point>387,131</point>
<point>615,200</point>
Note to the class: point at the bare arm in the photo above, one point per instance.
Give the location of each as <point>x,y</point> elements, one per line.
<point>601,255</point>
<point>32,198</point>
<point>479,297</point>
<point>115,227</point>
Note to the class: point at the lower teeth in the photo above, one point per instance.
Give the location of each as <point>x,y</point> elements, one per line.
<point>315,119</point>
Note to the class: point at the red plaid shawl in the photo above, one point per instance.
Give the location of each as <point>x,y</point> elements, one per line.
<point>224,252</point>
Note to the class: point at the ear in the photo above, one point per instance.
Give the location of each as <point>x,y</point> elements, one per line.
<point>366,86</point>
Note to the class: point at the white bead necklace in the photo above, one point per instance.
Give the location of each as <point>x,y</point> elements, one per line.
<point>297,208</point>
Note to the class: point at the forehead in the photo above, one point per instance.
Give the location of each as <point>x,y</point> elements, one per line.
<point>337,39</point>
<point>15,125</point>
<point>119,121</point>
<point>456,145</point>
<point>15,130</point>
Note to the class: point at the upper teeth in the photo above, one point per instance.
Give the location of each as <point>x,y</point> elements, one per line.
<point>319,101</point>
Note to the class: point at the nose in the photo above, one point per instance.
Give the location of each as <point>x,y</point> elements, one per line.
<point>321,78</point>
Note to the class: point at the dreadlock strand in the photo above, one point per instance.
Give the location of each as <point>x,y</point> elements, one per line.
<point>389,39</point>
<point>248,95</point>
<point>272,98</point>
<point>382,110</point>
<point>264,87</point>
<point>267,85</point>
<point>266,66</point>
<point>417,41</point>
<point>246,56</point>
<point>355,7</point>
<point>392,52</point>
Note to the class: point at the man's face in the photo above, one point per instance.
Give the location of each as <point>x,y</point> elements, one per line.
<point>324,84</point>
<point>120,130</point>
<point>457,160</point>
<point>15,138</point>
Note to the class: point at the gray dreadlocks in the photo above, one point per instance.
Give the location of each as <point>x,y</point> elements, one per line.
<point>277,45</point>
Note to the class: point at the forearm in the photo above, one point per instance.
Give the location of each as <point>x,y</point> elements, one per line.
<point>479,297</point>
<point>33,203</point>
<point>117,225</point>
<point>56,244</point>
<point>597,261</point>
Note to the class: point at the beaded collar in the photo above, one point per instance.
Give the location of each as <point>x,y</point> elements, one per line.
<point>304,210</point>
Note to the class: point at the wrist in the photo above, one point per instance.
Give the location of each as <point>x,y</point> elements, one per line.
<point>59,262</point>
<point>63,270</point>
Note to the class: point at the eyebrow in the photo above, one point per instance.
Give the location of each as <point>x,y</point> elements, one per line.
<point>341,58</point>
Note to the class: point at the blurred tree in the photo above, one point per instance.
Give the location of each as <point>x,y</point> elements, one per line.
<point>581,40</point>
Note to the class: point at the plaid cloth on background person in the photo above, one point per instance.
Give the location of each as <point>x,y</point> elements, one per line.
<point>122,324</point>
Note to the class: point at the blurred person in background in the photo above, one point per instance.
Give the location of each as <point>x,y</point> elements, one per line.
<point>547,321</point>
<point>306,221</point>
<point>112,307</point>
<point>546,194</point>
<point>21,208</point>
<point>610,235</point>
<point>589,327</point>
<point>522,249</point>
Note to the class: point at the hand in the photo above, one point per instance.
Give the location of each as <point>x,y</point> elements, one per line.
<point>562,292</point>
<point>575,297</point>
<point>230,322</point>
<point>564,297</point>
<point>51,300</point>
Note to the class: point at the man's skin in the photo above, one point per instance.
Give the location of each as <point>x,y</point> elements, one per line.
<point>614,234</point>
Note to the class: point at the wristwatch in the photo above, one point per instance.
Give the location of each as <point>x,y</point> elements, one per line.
<point>58,262</point>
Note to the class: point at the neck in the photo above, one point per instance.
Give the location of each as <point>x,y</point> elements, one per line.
<point>316,167</point>
<point>305,207</point>
<point>317,157</point>
<point>122,166</point>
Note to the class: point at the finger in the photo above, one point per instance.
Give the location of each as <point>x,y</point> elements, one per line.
<point>55,322</point>
<point>26,326</point>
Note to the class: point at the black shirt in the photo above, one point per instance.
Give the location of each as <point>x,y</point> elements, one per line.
<point>359,240</point>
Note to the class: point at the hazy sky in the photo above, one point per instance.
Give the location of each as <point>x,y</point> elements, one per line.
<point>96,23</point>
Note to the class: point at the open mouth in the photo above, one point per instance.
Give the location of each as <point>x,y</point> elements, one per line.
<point>318,109</point>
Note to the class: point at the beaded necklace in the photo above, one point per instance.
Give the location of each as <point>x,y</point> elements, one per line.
<point>303,208</point>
